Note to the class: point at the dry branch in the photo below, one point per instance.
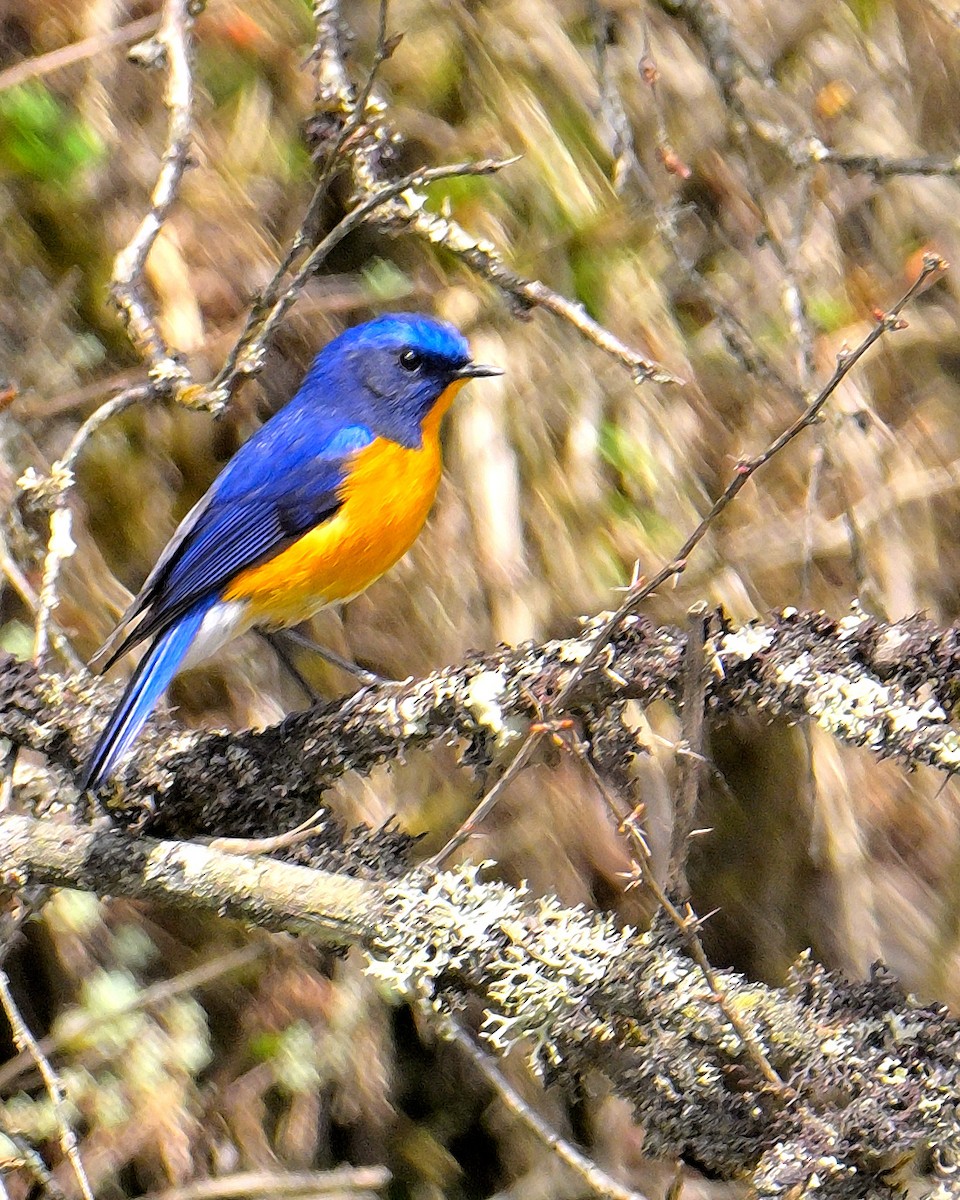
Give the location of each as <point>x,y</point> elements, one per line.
<point>171,47</point>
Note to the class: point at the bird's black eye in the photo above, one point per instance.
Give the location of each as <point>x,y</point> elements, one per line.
<point>410,360</point>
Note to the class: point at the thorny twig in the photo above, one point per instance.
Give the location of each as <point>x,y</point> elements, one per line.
<point>887,322</point>
<point>638,592</point>
<point>596,1179</point>
<point>24,1041</point>
<point>172,46</point>
<point>687,923</point>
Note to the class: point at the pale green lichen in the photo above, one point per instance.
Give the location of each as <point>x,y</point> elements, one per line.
<point>859,709</point>
<point>947,750</point>
<point>434,927</point>
<point>541,961</point>
<point>545,972</point>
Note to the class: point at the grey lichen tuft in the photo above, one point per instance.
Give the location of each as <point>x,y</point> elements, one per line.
<point>536,962</point>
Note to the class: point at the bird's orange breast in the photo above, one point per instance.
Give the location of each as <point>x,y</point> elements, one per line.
<point>386,497</point>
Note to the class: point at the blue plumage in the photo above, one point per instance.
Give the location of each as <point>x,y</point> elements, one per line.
<point>278,485</point>
<point>147,684</point>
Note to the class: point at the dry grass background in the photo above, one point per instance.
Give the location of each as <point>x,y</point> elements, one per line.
<point>560,477</point>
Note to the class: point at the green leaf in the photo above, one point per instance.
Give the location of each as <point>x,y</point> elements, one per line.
<point>42,138</point>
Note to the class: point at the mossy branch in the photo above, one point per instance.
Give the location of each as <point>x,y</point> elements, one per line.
<point>870,1075</point>
<point>887,687</point>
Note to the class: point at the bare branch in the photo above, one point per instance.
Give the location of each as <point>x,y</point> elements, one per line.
<point>172,47</point>
<point>54,488</point>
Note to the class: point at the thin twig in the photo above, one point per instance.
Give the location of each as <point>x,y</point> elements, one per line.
<point>812,151</point>
<point>54,487</point>
<point>24,1040</point>
<point>67,56</point>
<point>596,1179</point>
<point>24,589</point>
<point>333,163</point>
<point>410,215</point>
<point>737,339</point>
<point>690,765</point>
<point>30,1160</point>
<point>171,45</point>
<point>686,922</point>
<point>639,591</point>
<point>626,162</point>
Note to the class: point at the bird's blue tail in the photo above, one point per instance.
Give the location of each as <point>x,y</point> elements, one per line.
<point>147,684</point>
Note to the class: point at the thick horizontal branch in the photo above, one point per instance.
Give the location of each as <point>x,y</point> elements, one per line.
<point>865,1068</point>
<point>886,687</point>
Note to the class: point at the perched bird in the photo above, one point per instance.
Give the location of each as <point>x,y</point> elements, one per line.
<point>321,501</point>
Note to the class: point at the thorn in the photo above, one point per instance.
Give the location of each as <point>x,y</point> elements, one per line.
<point>649,71</point>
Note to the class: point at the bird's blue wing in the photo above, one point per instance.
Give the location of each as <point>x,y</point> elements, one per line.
<point>276,488</point>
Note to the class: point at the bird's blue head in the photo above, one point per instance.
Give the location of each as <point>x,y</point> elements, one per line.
<point>389,374</point>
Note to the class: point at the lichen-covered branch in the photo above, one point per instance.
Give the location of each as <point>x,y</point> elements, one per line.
<point>886,687</point>
<point>576,992</point>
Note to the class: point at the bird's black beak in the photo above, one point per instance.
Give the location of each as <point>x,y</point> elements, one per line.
<point>474,370</point>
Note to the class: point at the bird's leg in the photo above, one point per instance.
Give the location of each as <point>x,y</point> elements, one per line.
<point>274,638</point>
<point>367,678</point>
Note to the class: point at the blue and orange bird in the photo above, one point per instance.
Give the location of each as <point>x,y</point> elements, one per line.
<point>321,501</point>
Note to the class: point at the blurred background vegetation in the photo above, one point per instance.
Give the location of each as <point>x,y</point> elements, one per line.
<point>708,246</point>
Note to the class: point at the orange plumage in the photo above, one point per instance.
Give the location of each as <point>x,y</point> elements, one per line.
<point>387,496</point>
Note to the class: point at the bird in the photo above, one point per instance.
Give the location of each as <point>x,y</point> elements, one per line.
<point>321,501</point>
